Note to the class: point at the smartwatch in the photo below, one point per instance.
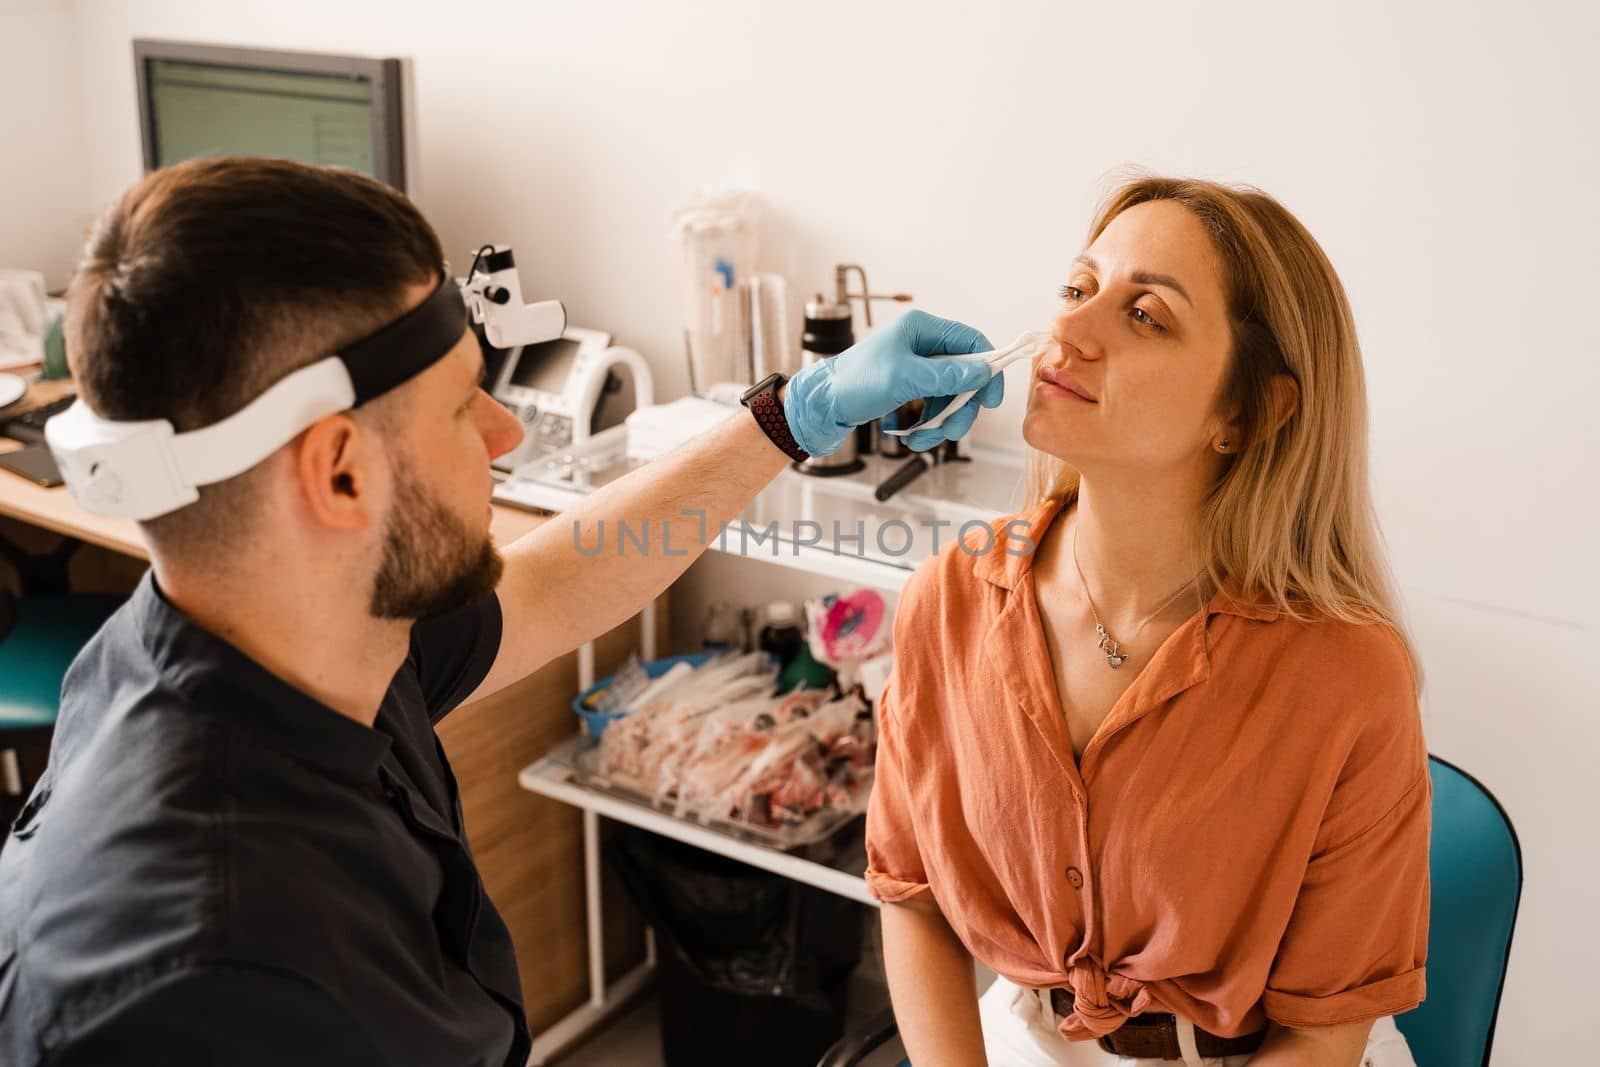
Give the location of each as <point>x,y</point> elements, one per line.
<point>762,400</point>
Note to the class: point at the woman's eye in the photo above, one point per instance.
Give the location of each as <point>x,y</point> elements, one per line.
<point>1071,292</point>
<point>1147,320</point>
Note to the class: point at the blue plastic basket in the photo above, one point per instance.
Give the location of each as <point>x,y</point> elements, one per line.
<point>597,721</point>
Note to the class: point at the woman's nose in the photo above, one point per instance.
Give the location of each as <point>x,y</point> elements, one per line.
<point>1073,329</point>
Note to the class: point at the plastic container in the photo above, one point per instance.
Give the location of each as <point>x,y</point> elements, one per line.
<point>717,238</point>
<point>781,637</point>
<point>597,721</point>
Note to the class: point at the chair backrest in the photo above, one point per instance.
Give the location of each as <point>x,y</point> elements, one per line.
<point>1475,872</point>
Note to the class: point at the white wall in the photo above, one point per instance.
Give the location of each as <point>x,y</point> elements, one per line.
<point>1442,152</point>
<point>44,205</point>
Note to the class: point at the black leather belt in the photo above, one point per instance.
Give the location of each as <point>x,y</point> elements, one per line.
<point>1154,1035</point>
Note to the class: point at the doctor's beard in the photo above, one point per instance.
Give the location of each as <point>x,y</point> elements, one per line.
<point>432,562</point>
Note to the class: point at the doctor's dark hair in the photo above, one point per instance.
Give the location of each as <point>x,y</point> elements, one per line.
<point>212,279</point>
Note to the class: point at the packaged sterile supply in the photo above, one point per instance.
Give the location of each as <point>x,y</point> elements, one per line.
<point>719,745</point>
<point>655,430</point>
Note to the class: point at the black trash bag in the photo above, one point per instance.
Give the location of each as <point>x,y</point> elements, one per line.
<point>752,967</point>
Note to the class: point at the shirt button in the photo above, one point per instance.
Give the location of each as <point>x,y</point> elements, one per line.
<point>1075,877</point>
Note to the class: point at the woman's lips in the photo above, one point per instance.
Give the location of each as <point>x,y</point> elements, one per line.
<point>1055,381</point>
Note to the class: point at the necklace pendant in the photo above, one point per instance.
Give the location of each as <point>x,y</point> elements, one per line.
<point>1114,659</point>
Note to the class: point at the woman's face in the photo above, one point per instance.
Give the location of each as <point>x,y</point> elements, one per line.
<point>1144,335</point>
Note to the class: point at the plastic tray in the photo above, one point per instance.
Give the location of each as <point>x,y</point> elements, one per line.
<point>597,721</point>
<point>815,827</point>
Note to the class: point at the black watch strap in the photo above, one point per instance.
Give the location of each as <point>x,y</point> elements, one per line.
<point>762,400</point>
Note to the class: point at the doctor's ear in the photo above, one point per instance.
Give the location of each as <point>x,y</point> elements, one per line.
<point>334,471</point>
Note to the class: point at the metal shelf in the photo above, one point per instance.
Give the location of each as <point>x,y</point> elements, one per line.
<point>554,777</point>
<point>937,503</point>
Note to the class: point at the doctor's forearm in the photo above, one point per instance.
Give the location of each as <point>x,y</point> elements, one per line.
<point>583,578</point>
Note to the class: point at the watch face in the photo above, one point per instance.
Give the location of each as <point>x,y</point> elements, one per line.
<point>755,390</point>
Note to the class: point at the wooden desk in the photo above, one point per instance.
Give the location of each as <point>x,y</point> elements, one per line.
<point>529,848</point>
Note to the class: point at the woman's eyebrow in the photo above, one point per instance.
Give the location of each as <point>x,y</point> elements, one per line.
<point>1144,277</point>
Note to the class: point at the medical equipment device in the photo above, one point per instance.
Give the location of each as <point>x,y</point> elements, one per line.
<point>1028,346</point>
<point>143,469</point>
<point>562,391</point>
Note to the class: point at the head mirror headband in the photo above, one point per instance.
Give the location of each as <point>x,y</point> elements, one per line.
<point>141,470</point>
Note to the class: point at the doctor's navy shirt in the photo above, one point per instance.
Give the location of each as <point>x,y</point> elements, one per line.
<point>217,868</point>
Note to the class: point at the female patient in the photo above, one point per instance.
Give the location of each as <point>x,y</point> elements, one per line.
<point>1152,750</point>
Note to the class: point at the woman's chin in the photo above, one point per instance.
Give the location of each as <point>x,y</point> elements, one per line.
<point>1044,434</point>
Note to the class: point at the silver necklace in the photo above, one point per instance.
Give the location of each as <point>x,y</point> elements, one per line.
<point>1116,654</point>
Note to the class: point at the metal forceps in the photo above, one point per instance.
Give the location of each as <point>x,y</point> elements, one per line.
<point>1028,346</point>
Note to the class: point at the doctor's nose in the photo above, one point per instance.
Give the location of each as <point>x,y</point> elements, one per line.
<point>501,430</point>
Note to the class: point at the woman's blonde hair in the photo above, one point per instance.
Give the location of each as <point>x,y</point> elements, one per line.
<point>1291,518</point>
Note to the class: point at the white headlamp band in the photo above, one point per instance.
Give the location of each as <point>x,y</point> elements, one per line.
<point>140,470</point>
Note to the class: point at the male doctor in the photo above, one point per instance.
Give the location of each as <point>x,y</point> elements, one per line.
<point>248,847</point>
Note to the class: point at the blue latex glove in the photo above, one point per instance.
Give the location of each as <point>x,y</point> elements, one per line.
<point>828,399</point>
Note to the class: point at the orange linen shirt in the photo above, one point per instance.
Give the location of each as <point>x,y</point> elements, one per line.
<point>1245,839</point>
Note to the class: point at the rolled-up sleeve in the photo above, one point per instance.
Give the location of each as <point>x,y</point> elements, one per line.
<point>1357,939</point>
<point>894,862</point>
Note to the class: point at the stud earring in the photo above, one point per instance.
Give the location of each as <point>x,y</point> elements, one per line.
<point>1222,446</point>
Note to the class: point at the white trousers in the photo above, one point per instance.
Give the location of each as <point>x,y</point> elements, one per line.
<point>1019,1030</point>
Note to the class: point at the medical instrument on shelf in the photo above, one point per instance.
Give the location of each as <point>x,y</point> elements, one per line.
<point>903,475</point>
<point>766,297</point>
<point>828,332</point>
<point>916,465</point>
<point>717,240</point>
<point>868,439</point>
<point>1029,346</point>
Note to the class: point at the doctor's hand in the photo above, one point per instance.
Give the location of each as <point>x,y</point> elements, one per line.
<point>828,399</point>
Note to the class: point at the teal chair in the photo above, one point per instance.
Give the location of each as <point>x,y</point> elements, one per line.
<point>1475,867</point>
<point>40,634</point>
<point>1475,871</point>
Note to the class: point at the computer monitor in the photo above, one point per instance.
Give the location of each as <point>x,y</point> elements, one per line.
<point>207,100</point>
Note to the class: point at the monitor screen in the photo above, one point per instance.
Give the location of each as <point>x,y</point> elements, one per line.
<point>545,366</point>
<point>200,99</point>
<point>201,109</point>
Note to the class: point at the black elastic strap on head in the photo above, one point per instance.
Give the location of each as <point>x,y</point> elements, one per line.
<point>408,345</point>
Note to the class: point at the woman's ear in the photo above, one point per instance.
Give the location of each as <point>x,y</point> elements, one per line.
<point>1282,404</point>
<point>1285,401</point>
